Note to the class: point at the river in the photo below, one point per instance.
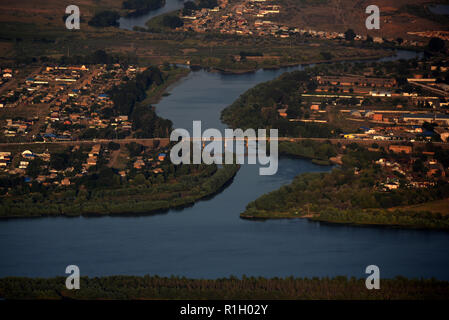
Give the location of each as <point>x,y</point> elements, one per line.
<point>129,23</point>
<point>209,240</point>
<point>439,9</point>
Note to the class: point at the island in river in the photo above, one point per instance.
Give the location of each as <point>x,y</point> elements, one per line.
<point>384,166</point>
<point>116,165</point>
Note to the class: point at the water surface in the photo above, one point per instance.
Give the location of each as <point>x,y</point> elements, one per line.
<point>209,240</point>
<point>440,9</point>
<point>129,23</point>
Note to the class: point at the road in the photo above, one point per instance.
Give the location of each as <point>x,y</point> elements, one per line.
<point>166,141</point>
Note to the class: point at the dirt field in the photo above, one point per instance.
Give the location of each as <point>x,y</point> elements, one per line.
<point>397,17</point>
<point>49,11</point>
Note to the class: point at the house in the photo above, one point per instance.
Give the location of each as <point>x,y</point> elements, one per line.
<point>400,149</point>
<point>121,118</point>
<point>391,185</point>
<point>95,150</point>
<point>23,164</point>
<point>282,113</point>
<point>92,161</point>
<point>41,178</point>
<point>139,164</point>
<point>28,154</point>
<point>158,170</point>
<point>435,169</point>
<point>161,156</point>
<point>4,155</point>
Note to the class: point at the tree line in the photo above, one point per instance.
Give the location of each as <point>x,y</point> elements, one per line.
<point>244,288</point>
<point>349,194</point>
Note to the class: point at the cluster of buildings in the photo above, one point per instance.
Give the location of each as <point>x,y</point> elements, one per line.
<point>18,163</point>
<point>261,18</point>
<point>443,35</point>
<point>248,17</point>
<point>17,127</point>
<point>154,164</point>
<point>6,74</point>
<point>69,100</point>
<point>409,171</point>
<point>87,104</point>
<point>382,87</point>
<point>390,125</point>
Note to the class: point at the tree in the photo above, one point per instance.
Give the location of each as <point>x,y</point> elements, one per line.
<point>172,22</point>
<point>350,35</point>
<point>326,55</point>
<point>113,146</point>
<point>208,4</point>
<point>189,7</point>
<point>436,44</point>
<point>105,19</point>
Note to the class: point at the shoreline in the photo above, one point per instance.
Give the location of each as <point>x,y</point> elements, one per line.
<point>155,97</point>
<point>313,218</point>
<point>286,65</point>
<point>150,212</point>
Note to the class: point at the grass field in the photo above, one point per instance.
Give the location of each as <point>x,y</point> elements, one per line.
<point>397,17</point>
<point>438,206</point>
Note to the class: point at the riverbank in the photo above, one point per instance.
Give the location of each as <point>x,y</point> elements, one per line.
<point>350,194</point>
<point>171,77</point>
<point>142,8</point>
<point>364,218</point>
<point>129,201</point>
<point>154,287</point>
<point>289,65</point>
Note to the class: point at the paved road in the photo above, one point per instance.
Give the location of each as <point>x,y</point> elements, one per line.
<point>165,141</point>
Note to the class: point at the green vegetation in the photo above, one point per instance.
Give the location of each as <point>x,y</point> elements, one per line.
<point>154,287</point>
<point>437,206</point>
<point>258,107</point>
<point>436,44</point>
<point>350,35</point>
<point>349,194</point>
<point>317,151</point>
<point>104,192</point>
<point>105,19</point>
<point>171,74</point>
<point>133,99</point>
<point>164,22</point>
<point>140,7</point>
<point>126,98</point>
<point>172,22</point>
<point>189,7</point>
